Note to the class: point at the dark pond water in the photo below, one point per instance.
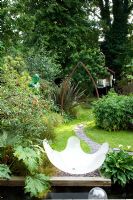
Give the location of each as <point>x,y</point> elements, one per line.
<point>115,192</point>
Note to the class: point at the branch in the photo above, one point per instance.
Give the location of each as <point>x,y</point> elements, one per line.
<point>94,13</point>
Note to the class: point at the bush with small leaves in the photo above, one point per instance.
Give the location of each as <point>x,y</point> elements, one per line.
<point>21,110</point>
<point>44,64</point>
<point>113,112</point>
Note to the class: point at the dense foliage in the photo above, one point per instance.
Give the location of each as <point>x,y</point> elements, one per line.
<point>119,167</point>
<point>125,85</point>
<point>114,112</point>
<point>60,26</point>
<point>36,183</point>
<point>116,23</point>
<point>4,171</point>
<point>23,161</point>
<point>22,111</point>
<point>94,60</point>
<point>67,27</point>
<point>44,64</point>
<point>47,39</point>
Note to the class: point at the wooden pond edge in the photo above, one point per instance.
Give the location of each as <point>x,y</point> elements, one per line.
<point>62,181</point>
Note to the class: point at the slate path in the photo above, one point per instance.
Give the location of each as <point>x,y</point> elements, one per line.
<point>79,131</point>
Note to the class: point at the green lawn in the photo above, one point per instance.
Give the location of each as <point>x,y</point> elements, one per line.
<point>63,132</point>
<point>85,116</point>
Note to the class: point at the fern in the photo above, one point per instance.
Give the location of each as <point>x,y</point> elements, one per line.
<point>4,171</point>
<point>29,156</point>
<point>37,185</point>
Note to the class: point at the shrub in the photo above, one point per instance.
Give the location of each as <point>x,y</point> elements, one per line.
<point>21,111</point>
<point>44,64</point>
<point>119,167</point>
<point>113,112</point>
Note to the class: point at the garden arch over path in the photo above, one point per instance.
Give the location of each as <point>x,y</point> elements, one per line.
<point>70,76</point>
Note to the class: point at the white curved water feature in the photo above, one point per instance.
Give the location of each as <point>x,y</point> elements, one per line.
<point>73,159</point>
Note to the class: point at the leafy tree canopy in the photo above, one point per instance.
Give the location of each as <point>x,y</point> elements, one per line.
<point>115,21</point>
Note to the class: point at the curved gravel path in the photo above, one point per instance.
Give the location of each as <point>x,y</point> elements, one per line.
<point>79,131</point>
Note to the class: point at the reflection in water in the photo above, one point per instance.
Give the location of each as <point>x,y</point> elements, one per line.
<point>17,193</point>
<point>13,193</point>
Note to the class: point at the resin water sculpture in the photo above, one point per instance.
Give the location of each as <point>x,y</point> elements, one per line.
<point>73,159</point>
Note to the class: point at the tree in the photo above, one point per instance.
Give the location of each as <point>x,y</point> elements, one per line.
<point>8,31</point>
<point>60,26</point>
<point>114,15</point>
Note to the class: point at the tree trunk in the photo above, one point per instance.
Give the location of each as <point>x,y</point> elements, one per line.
<point>115,45</point>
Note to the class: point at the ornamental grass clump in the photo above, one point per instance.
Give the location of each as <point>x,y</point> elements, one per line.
<point>114,112</point>
<point>67,96</point>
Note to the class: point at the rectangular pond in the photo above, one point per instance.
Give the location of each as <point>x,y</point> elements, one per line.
<point>17,193</point>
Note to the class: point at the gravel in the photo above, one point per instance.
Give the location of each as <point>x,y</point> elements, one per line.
<point>79,131</point>
<point>91,174</point>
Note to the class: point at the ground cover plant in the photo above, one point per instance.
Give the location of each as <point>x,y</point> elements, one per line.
<point>119,167</point>
<point>27,161</point>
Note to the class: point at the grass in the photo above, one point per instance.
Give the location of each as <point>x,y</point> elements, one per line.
<point>85,116</point>
<point>63,132</point>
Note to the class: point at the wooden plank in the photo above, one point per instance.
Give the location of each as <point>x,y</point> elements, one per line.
<point>62,181</point>
<point>80,181</point>
<point>14,181</point>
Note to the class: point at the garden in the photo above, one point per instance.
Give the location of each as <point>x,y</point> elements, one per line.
<point>65,70</point>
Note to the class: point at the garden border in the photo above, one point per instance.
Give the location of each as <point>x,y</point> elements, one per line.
<point>61,181</point>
